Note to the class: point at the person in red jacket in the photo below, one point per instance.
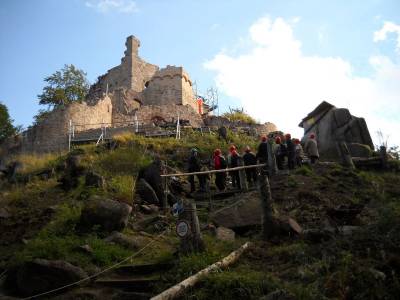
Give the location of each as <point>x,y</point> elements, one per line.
<point>219,164</point>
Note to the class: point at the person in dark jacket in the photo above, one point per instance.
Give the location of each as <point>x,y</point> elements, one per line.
<point>262,151</point>
<point>280,152</point>
<point>290,151</point>
<point>250,159</point>
<point>233,163</point>
<point>219,164</point>
<point>194,166</point>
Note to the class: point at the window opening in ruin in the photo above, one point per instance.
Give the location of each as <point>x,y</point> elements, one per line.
<point>146,84</point>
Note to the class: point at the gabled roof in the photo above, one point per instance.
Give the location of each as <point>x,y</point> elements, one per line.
<point>321,108</point>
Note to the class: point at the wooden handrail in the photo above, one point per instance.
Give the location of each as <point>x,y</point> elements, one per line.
<point>214,171</point>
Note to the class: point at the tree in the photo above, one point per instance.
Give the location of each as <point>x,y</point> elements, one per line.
<point>6,127</point>
<point>65,86</point>
<point>41,116</point>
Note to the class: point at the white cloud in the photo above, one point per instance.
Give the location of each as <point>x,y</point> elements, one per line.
<point>388,27</point>
<point>105,6</point>
<point>276,82</point>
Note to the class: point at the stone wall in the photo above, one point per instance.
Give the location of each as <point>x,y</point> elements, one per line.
<point>170,85</point>
<point>170,113</point>
<point>52,134</point>
<point>132,74</point>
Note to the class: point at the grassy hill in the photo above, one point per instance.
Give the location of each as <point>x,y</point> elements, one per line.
<point>42,222</point>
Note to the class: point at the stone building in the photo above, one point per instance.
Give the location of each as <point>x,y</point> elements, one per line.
<point>133,90</point>
<point>332,125</point>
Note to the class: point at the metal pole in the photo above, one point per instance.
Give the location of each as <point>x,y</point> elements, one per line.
<point>165,201</point>
<point>178,136</point>
<point>69,135</point>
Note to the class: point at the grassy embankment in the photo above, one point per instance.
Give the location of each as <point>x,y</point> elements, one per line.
<point>363,265</point>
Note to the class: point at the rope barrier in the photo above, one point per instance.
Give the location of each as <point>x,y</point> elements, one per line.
<point>101,272</point>
<point>214,171</point>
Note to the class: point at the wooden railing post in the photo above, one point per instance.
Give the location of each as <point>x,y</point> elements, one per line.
<point>242,176</point>
<point>266,202</point>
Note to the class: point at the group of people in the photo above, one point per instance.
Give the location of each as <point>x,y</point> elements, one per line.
<point>282,151</point>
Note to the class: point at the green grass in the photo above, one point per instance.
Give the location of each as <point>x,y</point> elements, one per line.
<point>58,240</point>
<point>304,170</point>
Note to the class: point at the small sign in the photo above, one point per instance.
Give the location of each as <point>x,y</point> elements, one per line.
<point>182,228</point>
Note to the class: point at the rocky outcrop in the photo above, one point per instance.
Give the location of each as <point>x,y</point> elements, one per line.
<point>332,125</point>
<point>93,179</point>
<point>123,240</point>
<point>110,215</point>
<point>244,213</point>
<point>42,275</point>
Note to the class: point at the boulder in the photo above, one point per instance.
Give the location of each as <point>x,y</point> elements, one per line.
<point>110,215</point>
<point>359,150</point>
<point>348,230</point>
<point>4,214</point>
<point>74,165</point>
<point>94,180</point>
<point>246,212</point>
<point>342,116</point>
<point>123,240</point>
<point>42,275</point>
<point>225,234</point>
<point>316,235</point>
<point>149,209</point>
<point>146,192</point>
<point>73,170</point>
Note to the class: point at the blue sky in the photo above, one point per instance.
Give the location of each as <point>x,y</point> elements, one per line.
<point>207,37</point>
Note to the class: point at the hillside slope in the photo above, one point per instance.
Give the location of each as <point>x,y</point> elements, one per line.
<point>340,255</point>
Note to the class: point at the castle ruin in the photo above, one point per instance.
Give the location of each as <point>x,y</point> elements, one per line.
<point>134,90</point>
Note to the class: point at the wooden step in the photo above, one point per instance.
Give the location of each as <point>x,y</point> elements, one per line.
<point>142,269</point>
<point>133,296</point>
<point>132,284</point>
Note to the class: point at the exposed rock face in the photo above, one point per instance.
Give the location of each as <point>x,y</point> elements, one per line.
<point>123,240</point>
<point>243,213</point>
<point>43,275</point>
<point>225,234</point>
<point>332,125</point>
<point>73,169</point>
<point>110,215</point>
<point>94,180</point>
<point>146,192</point>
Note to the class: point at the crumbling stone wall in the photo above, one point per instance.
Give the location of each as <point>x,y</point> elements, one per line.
<point>170,85</point>
<point>132,74</point>
<point>52,134</point>
<point>170,113</point>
